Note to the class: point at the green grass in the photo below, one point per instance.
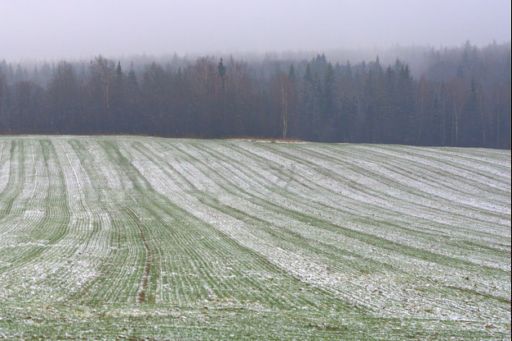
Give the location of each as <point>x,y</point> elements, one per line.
<point>133,237</point>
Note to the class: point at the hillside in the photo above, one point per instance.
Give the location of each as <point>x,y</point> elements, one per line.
<point>134,236</point>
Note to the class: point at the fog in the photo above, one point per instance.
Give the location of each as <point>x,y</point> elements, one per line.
<point>48,29</point>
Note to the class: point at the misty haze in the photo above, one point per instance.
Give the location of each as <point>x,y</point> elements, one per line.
<point>54,29</point>
<point>255,170</point>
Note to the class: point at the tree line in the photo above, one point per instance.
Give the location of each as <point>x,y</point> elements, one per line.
<point>460,98</point>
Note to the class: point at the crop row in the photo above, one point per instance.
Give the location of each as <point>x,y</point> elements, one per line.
<point>225,236</point>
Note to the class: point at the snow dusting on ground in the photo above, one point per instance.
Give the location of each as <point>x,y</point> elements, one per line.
<point>119,237</point>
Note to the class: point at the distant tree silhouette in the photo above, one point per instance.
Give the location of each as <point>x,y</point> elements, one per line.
<point>462,98</point>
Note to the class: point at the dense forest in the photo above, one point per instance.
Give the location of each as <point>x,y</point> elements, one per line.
<point>459,97</point>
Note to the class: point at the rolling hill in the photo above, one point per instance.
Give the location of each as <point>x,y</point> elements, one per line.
<point>132,237</point>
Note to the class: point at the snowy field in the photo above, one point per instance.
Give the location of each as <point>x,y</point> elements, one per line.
<point>104,237</point>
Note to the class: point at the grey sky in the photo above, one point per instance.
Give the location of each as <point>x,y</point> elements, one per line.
<point>35,29</point>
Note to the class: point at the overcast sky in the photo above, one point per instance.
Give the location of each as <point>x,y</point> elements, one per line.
<point>39,29</point>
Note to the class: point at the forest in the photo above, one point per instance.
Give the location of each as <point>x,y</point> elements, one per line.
<point>458,97</point>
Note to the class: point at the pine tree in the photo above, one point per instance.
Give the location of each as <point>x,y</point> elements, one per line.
<point>222,73</point>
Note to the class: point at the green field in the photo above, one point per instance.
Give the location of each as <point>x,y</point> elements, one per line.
<point>131,237</point>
